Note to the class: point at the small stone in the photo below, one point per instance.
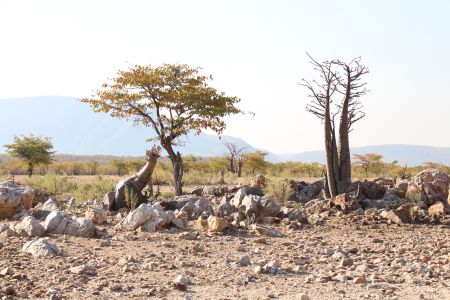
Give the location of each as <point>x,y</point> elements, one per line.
<point>6,271</point>
<point>104,243</point>
<point>260,240</point>
<point>117,287</point>
<point>304,297</point>
<point>9,290</point>
<point>241,248</point>
<point>198,247</point>
<point>339,254</point>
<point>190,236</point>
<point>362,268</point>
<point>258,270</point>
<point>181,282</point>
<point>346,262</point>
<point>359,280</point>
<point>244,261</point>
<point>77,270</point>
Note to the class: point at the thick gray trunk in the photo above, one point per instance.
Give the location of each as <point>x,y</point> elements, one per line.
<point>330,152</point>
<point>345,168</point>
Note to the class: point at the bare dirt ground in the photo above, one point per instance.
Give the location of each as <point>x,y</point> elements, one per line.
<point>345,258</point>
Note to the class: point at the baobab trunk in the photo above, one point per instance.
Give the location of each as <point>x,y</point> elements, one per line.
<point>128,192</point>
<point>345,167</point>
<point>330,153</point>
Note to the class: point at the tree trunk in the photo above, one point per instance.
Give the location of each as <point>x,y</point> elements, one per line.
<point>232,170</point>
<point>177,164</point>
<point>345,167</point>
<point>30,170</point>
<point>330,152</point>
<point>239,172</point>
<point>222,177</point>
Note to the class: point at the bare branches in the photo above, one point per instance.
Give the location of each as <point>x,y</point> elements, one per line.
<point>337,78</point>
<point>323,91</point>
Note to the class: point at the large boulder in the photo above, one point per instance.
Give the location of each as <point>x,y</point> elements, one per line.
<point>259,181</point>
<point>438,210</point>
<point>14,198</point>
<point>370,189</point>
<point>217,224</point>
<point>160,219</point>
<point>402,187</point>
<point>428,187</point>
<point>30,227</point>
<point>41,248</point>
<point>310,191</point>
<point>260,207</point>
<point>81,227</point>
<point>138,217</point>
<point>244,191</point>
<point>217,191</point>
<point>96,214</point>
<point>42,210</point>
<point>297,214</point>
<point>56,222</point>
<point>345,202</point>
<point>108,200</point>
<point>403,214</point>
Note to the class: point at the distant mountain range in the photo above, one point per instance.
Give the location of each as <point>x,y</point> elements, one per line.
<point>75,129</point>
<point>411,155</point>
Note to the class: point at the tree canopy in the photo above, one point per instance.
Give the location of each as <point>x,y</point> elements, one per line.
<point>173,99</point>
<point>32,149</point>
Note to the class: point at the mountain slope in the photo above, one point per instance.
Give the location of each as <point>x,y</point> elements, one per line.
<point>75,129</point>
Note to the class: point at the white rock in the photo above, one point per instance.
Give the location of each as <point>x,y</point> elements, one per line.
<point>41,248</point>
<point>81,227</point>
<point>138,217</point>
<point>56,222</point>
<point>30,226</point>
<point>50,205</point>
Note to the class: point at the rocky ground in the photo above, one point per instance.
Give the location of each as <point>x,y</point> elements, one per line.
<point>382,241</point>
<point>347,257</point>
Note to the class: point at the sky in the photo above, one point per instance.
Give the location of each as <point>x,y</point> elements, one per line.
<point>255,50</point>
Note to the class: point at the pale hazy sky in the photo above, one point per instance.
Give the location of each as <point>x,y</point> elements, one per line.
<point>254,49</point>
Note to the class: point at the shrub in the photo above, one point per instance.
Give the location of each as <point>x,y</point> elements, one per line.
<point>280,190</point>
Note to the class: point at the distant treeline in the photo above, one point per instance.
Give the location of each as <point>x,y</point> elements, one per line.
<point>364,166</point>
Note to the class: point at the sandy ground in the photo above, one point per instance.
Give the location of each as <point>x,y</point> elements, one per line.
<point>348,257</point>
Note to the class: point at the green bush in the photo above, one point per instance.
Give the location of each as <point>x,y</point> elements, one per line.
<point>92,190</point>
<point>52,183</point>
<point>280,190</point>
<point>61,186</point>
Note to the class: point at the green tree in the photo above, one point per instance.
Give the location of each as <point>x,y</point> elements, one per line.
<point>135,164</point>
<point>368,162</point>
<point>173,99</point>
<point>120,165</point>
<point>255,162</point>
<point>219,165</point>
<point>31,149</point>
